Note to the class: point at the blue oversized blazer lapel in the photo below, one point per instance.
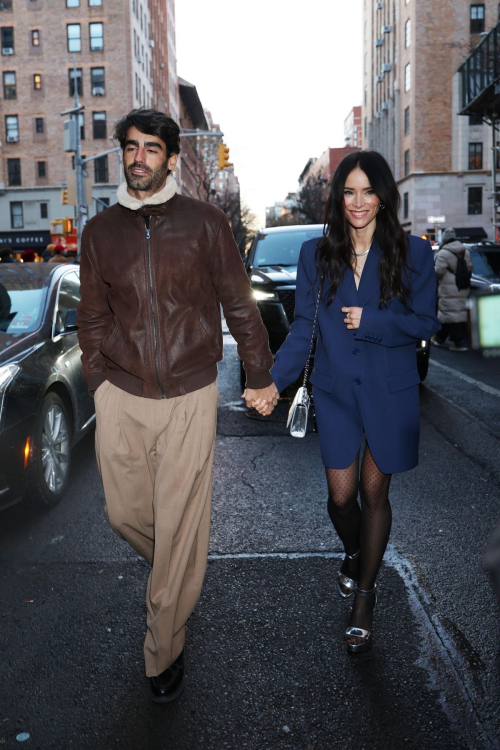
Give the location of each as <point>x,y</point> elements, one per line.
<point>370,278</point>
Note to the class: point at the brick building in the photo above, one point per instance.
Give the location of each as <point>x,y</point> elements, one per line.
<point>325,165</point>
<point>441,161</point>
<point>120,46</point>
<point>353,128</point>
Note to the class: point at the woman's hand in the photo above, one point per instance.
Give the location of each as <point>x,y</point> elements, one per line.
<point>263,399</point>
<point>353,316</point>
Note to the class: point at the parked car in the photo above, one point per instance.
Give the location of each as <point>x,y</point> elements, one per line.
<point>271,264</point>
<point>44,405</point>
<point>485,258</point>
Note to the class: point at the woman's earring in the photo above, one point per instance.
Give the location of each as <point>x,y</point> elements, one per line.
<point>382,205</point>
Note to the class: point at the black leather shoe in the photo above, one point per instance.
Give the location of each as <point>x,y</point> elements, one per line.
<point>168,685</point>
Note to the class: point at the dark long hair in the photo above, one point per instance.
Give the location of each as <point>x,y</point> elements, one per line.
<point>334,253</point>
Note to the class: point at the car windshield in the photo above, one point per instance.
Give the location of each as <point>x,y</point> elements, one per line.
<point>486,262</point>
<point>282,248</point>
<point>21,303</point>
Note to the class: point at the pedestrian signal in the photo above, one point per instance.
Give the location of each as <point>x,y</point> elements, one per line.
<point>224,157</point>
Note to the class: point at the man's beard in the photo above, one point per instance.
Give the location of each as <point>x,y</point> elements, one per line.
<point>152,182</point>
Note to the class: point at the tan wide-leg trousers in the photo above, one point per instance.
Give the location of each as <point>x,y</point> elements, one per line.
<point>155,459</point>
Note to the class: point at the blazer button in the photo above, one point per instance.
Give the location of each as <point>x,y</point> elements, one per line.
<point>358,381</point>
<point>355,350</point>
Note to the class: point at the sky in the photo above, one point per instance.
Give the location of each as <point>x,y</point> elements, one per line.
<point>280,77</point>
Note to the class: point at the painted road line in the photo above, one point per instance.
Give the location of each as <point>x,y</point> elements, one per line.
<point>467,378</point>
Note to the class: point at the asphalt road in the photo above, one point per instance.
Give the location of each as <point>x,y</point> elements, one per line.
<point>266,665</point>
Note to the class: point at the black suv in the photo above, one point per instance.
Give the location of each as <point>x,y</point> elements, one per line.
<point>271,264</point>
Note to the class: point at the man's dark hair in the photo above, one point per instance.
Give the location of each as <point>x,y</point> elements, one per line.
<point>5,252</point>
<point>150,122</point>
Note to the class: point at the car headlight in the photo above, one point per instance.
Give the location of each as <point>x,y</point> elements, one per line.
<point>7,373</point>
<point>263,295</point>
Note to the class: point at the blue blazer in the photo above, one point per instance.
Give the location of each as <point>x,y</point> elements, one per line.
<point>365,379</point>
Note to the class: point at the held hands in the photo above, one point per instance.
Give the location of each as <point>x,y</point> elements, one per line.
<point>262,399</point>
<point>353,316</point>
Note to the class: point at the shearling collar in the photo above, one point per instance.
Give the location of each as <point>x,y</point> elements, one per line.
<point>162,196</point>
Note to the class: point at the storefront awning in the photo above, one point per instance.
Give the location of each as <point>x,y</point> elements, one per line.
<point>18,241</point>
<point>471,233</point>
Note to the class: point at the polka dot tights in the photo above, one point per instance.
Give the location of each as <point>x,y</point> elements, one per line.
<point>364,528</point>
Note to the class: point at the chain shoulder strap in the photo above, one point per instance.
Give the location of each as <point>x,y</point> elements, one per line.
<point>308,363</point>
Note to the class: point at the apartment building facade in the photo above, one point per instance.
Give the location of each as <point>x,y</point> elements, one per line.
<point>411,99</point>
<point>109,50</point>
<point>353,128</point>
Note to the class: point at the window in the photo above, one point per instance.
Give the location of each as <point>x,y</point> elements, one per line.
<point>14,171</point>
<point>44,210</point>
<point>408,77</point>
<point>101,204</point>
<point>475,201</point>
<point>101,169</point>
<point>42,168</point>
<point>38,124</point>
<point>72,75</point>
<point>475,119</point>
<point>9,85</point>
<point>408,33</point>
<point>7,33</point>
<point>74,32</point>
<point>72,3</point>
<point>407,120</point>
<point>97,81</point>
<point>475,155</point>
<point>405,205</point>
<point>68,299</point>
<point>35,38</point>
<point>96,31</point>
<point>16,215</point>
<point>5,4</point>
<point>95,2</point>
<point>99,124</point>
<point>476,19</point>
<point>37,82</point>
<point>407,162</point>
<point>81,120</point>
<point>12,128</point>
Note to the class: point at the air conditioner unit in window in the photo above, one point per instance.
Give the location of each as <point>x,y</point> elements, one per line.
<point>140,58</point>
<point>151,80</point>
<point>7,50</point>
<point>380,79</point>
<point>386,29</point>
<point>151,42</point>
<point>12,139</point>
<point>386,67</point>
<point>379,42</point>
<point>378,115</point>
<point>380,6</point>
<point>98,91</point>
<point>385,106</point>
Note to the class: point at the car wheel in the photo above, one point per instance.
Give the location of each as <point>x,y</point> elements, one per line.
<point>50,457</point>
<point>423,364</point>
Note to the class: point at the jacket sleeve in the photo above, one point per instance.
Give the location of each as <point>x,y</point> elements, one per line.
<point>417,321</point>
<point>292,356</point>
<point>94,318</point>
<point>240,309</point>
<point>441,264</point>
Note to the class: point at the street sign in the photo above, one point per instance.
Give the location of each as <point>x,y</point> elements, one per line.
<point>436,219</point>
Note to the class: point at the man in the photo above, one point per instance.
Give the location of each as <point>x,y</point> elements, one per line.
<point>154,270</point>
<point>6,255</point>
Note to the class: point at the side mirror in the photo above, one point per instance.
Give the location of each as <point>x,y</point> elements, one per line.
<point>70,321</point>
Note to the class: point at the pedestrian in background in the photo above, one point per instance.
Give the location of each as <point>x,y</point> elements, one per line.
<point>374,289</point>
<point>48,253</point>
<point>452,296</point>
<point>28,256</point>
<point>59,255</point>
<point>155,270</point>
<point>6,255</point>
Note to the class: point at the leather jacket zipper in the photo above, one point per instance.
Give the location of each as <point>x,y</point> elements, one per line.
<point>152,299</point>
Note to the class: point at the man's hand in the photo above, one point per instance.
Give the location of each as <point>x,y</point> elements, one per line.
<point>353,316</point>
<point>262,399</point>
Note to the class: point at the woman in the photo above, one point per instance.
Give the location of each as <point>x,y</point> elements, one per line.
<point>452,301</point>
<point>377,291</point>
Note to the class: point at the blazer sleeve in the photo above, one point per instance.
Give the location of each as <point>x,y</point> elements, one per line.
<point>415,322</point>
<point>292,356</point>
<point>94,318</point>
<point>240,309</point>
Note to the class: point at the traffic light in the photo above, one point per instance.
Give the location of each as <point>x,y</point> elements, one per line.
<point>224,157</point>
<point>64,196</point>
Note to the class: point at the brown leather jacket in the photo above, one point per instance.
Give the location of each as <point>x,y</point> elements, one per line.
<point>149,318</point>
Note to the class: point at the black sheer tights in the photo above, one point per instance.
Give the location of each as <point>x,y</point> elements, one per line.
<point>366,528</point>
